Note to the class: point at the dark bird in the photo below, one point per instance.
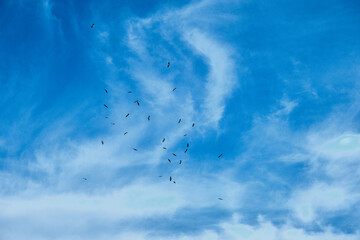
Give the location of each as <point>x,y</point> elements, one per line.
<point>106,91</point>
<point>149,118</point>
<point>169,160</point>
<point>193,124</point>
<point>129,91</point>
<point>187,145</point>
<point>174,154</point>
<point>164,147</point>
<point>106,106</point>
<point>106,117</point>
<point>137,102</point>
<point>160,176</point>
<point>180,162</point>
<point>220,198</point>
<point>185,150</point>
<point>127,115</point>
<point>85,178</point>
<point>112,123</point>
<point>185,135</point>
<point>179,120</point>
<point>170,178</point>
<point>168,64</point>
<point>134,149</point>
<point>163,140</point>
<point>174,182</point>
<point>220,155</point>
<point>92,25</point>
<point>174,89</point>
<point>102,142</point>
<point>125,133</point>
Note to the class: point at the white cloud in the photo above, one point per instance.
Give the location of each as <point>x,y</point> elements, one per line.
<point>342,147</point>
<point>221,79</point>
<point>307,203</point>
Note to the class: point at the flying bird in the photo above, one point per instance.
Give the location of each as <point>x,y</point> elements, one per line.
<point>85,178</point>
<point>179,121</point>
<point>185,135</point>
<point>92,25</point>
<point>112,123</point>
<point>164,147</point>
<point>102,142</point>
<point>149,118</point>
<point>137,102</point>
<point>160,176</point>
<point>174,89</point>
<point>174,182</point>
<point>163,140</point>
<point>169,160</point>
<point>193,124</point>
<point>106,117</point>
<point>180,162</point>
<point>106,106</point>
<point>220,198</point>
<point>129,91</point>
<point>168,64</point>
<point>125,133</point>
<point>174,154</point>
<point>170,178</point>
<point>185,150</point>
<point>187,145</point>
<point>134,149</point>
<point>106,90</point>
<point>219,155</point>
<point>127,115</point>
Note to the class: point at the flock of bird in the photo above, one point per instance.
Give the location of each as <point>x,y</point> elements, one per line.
<point>163,140</point>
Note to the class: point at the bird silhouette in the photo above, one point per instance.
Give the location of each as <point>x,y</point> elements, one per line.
<point>174,89</point>
<point>193,124</point>
<point>129,91</point>
<point>160,176</point>
<point>106,117</point>
<point>92,25</point>
<point>106,90</point>
<point>169,160</point>
<point>85,178</point>
<point>164,147</point>
<point>106,106</point>
<point>149,118</point>
<point>170,178</point>
<point>179,121</point>
<point>174,154</point>
<point>185,150</point>
<point>112,123</point>
<point>168,64</point>
<point>220,198</point>
<point>137,102</point>
<point>185,135</point>
<point>174,182</point>
<point>187,145</point>
<point>180,162</point>
<point>219,155</point>
<point>125,133</point>
<point>127,115</point>
<point>102,142</point>
<point>163,140</point>
<point>134,149</point>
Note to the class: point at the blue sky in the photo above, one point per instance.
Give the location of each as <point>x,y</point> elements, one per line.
<point>273,85</point>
